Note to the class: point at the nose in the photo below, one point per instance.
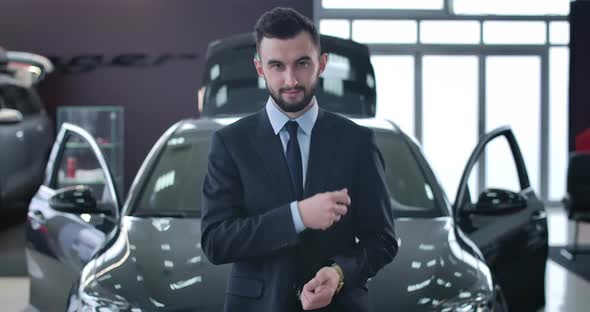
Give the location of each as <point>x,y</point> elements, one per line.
<point>290,79</point>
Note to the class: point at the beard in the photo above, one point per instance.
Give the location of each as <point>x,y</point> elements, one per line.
<point>294,107</point>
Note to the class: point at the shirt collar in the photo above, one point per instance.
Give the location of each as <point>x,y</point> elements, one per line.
<point>278,119</point>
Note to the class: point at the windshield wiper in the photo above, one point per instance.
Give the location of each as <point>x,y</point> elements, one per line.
<point>165,214</point>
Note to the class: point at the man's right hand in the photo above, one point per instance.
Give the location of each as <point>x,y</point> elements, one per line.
<point>322,210</point>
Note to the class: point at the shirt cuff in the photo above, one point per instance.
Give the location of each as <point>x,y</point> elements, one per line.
<point>299,226</point>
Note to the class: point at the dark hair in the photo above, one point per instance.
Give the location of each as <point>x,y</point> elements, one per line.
<point>284,23</point>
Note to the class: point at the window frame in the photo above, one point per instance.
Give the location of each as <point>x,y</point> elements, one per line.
<point>418,50</point>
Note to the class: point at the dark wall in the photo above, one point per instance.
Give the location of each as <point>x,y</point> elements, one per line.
<point>145,55</point>
<point>580,76</point>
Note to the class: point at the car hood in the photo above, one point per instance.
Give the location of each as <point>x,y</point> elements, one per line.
<point>158,263</point>
<point>434,267</point>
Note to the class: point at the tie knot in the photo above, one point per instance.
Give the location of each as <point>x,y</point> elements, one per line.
<point>292,128</point>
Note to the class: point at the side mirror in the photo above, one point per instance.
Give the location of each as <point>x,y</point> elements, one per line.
<point>77,199</point>
<point>10,116</point>
<point>498,201</point>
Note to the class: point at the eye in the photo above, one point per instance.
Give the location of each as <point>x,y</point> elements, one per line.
<point>304,63</point>
<point>276,65</point>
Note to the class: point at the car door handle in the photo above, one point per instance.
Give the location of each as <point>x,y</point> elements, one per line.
<point>539,215</point>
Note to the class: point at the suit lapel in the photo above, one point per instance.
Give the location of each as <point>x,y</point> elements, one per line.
<point>322,156</point>
<point>270,150</point>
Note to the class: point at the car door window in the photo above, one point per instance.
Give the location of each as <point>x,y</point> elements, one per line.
<point>501,169</point>
<point>79,165</point>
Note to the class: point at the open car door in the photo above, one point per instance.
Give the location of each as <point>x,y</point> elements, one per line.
<point>508,226</point>
<point>69,218</point>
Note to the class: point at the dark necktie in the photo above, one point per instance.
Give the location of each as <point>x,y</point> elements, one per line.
<point>294,160</point>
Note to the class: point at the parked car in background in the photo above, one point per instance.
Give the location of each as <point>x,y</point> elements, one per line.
<point>26,132</point>
<point>88,249</point>
<point>231,86</point>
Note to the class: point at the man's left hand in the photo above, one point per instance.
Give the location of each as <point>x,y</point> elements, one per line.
<point>319,291</point>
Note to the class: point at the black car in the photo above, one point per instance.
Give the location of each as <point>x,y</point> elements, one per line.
<point>90,250</point>
<point>26,133</point>
<point>231,87</point>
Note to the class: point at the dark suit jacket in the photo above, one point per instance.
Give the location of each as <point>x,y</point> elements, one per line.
<point>247,218</point>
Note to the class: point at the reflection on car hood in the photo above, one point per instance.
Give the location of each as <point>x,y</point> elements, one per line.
<point>430,268</point>
<point>158,263</point>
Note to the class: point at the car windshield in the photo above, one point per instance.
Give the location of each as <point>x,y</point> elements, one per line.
<point>232,87</point>
<point>175,181</point>
<point>174,184</point>
<point>411,192</point>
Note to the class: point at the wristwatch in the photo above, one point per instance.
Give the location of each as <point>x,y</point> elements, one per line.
<point>341,274</point>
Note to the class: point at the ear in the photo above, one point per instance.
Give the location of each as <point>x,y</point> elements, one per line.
<point>323,62</point>
<point>258,65</point>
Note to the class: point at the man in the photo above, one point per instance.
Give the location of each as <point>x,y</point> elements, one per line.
<point>295,196</point>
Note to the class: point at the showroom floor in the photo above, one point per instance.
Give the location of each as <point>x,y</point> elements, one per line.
<point>565,291</point>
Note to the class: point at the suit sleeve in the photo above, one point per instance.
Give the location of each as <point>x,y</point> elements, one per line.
<point>227,234</point>
<point>376,246</point>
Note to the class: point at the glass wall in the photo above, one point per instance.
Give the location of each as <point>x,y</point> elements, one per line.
<point>448,71</point>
